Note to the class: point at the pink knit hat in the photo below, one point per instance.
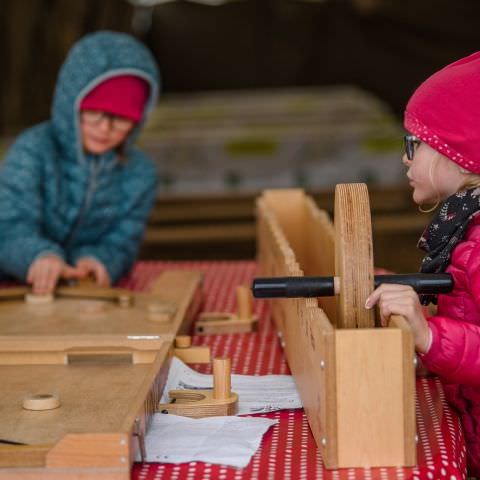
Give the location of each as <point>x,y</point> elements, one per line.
<point>444,112</point>
<point>124,95</point>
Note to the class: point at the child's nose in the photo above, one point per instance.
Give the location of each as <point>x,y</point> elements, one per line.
<point>104,124</point>
<point>406,161</point>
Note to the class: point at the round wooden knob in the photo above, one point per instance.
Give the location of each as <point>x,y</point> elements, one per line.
<point>41,401</point>
<point>183,341</point>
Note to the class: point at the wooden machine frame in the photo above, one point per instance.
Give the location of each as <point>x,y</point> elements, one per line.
<point>356,380</point>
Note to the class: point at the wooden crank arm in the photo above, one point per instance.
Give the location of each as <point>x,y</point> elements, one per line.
<point>294,287</point>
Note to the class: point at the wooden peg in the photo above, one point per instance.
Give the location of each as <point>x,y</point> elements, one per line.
<point>210,323</point>
<point>222,371</point>
<point>219,401</point>
<point>188,354</point>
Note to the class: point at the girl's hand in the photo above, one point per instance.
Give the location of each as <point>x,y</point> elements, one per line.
<point>44,273</point>
<point>89,265</point>
<point>402,300</point>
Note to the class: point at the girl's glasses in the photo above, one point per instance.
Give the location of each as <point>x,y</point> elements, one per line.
<point>411,144</point>
<point>94,117</point>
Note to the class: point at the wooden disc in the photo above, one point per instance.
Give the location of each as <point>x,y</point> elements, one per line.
<point>353,255</point>
<point>42,401</point>
<point>34,299</point>
<point>161,312</point>
<point>92,307</point>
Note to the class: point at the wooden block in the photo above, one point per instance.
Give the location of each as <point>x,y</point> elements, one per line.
<point>214,323</point>
<point>199,404</point>
<point>188,354</point>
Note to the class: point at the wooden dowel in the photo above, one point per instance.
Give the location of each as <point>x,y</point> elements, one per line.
<point>244,301</point>
<point>221,378</point>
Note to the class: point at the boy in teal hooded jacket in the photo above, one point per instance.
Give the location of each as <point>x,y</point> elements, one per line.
<point>74,191</point>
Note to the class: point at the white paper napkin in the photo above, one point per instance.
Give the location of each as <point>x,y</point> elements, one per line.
<point>220,440</point>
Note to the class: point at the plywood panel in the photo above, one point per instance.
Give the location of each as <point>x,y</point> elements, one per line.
<point>370,410</point>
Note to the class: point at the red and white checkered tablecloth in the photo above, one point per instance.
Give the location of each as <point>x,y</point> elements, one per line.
<point>288,450</point>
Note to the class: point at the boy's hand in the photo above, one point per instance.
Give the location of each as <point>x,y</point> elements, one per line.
<point>89,265</point>
<point>44,273</point>
<point>402,300</point>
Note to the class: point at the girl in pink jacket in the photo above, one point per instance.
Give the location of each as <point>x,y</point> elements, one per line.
<point>442,155</point>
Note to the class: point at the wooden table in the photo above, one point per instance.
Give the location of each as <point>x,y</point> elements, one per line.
<point>288,450</point>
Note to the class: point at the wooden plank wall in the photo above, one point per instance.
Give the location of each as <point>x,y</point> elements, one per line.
<point>223,227</point>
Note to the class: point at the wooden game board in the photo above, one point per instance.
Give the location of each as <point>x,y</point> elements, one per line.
<point>107,365</point>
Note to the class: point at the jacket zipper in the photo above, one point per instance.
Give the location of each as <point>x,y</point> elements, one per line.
<point>92,184</point>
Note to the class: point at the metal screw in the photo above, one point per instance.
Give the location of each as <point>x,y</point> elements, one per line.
<point>415,361</point>
<point>324,442</point>
<point>322,364</point>
<point>416,438</point>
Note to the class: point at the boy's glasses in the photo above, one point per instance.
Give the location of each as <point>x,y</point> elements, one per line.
<point>94,117</point>
<point>411,144</point>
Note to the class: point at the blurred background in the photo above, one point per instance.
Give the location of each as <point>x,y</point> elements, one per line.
<point>256,94</point>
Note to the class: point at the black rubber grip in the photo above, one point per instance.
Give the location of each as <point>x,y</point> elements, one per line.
<point>296,287</point>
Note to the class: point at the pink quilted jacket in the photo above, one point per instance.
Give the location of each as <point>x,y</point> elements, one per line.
<point>455,352</point>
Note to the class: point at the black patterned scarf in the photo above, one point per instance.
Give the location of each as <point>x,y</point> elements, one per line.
<point>445,231</point>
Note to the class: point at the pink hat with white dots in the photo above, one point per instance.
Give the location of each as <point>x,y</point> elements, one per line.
<point>444,112</point>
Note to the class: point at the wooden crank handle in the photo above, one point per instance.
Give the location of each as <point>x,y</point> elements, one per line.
<point>293,287</point>
<point>113,294</point>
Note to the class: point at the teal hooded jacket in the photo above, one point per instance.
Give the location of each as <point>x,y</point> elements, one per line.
<point>54,197</point>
